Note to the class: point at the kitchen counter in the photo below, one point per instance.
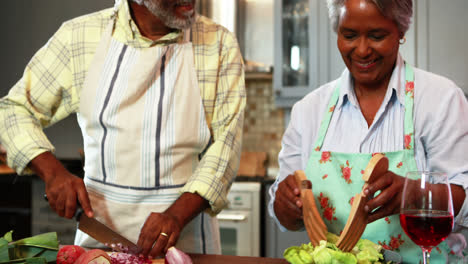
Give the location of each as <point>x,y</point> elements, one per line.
<point>208,259</point>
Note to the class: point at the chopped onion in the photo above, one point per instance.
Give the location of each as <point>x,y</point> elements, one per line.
<point>176,256</point>
<point>124,258</point>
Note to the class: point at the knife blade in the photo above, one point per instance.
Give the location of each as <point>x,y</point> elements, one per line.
<point>103,233</point>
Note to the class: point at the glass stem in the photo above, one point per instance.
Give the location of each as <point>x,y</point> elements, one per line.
<point>426,255</point>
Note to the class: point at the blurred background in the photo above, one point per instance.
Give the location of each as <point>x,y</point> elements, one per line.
<point>289,49</point>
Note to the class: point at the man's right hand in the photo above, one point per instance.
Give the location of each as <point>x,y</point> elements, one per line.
<point>288,204</point>
<point>63,189</point>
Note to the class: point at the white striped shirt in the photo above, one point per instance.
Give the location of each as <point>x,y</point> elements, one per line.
<point>440,123</point>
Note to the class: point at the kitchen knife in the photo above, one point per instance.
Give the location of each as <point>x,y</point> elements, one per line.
<point>104,234</point>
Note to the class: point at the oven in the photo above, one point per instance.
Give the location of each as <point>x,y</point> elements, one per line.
<point>239,223</point>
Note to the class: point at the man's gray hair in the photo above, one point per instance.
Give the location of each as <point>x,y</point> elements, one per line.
<point>399,11</point>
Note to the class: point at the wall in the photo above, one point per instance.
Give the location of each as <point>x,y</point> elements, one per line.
<point>442,39</point>
<point>264,122</point>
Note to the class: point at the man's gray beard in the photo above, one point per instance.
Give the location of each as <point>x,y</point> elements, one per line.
<point>169,19</point>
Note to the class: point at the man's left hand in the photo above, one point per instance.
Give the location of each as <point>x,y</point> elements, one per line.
<point>388,201</point>
<point>160,232</point>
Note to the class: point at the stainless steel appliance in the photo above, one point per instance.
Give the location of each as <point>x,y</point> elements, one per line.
<point>240,223</point>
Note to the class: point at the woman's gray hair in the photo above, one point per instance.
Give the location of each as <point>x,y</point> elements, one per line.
<point>399,11</point>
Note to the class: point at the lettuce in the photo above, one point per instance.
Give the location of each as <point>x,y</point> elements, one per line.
<point>365,252</point>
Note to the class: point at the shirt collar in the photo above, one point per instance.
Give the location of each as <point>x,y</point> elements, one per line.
<point>396,85</point>
<point>127,31</point>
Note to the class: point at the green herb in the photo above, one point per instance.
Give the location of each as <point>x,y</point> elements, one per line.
<point>38,249</point>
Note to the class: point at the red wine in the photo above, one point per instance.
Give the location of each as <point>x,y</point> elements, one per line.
<point>427,228</point>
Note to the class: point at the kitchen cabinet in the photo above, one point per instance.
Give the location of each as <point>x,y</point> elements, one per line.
<point>15,209</point>
<point>306,55</point>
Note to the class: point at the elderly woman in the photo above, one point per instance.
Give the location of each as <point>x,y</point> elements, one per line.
<point>379,104</point>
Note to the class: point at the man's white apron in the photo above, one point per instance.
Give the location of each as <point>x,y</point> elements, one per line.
<point>144,127</point>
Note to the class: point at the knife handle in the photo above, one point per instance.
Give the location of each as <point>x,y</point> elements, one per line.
<point>78,211</point>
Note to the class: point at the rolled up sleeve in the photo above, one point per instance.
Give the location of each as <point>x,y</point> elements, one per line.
<point>224,100</point>
<point>43,96</point>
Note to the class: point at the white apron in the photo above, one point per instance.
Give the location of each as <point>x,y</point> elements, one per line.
<point>144,127</point>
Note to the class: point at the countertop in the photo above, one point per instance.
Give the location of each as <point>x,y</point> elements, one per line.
<point>209,259</point>
<point>4,169</point>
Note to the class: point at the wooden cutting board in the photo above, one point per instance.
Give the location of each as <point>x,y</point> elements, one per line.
<point>208,259</point>
<point>224,259</point>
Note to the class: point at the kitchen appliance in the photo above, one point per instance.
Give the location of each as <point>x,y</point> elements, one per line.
<point>239,223</point>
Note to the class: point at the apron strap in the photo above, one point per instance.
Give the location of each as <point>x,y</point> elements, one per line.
<point>327,117</point>
<point>409,102</point>
<point>187,35</point>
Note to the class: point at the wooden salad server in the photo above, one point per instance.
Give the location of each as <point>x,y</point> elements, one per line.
<point>316,228</point>
<point>357,220</point>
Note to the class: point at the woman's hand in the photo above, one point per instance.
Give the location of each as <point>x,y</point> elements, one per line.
<point>288,204</point>
<point>160,232</point>
<point>388,201</point>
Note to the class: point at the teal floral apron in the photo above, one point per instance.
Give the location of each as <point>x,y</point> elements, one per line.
<point>337,178</point>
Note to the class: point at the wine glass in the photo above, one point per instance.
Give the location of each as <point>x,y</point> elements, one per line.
<point>426,213</point>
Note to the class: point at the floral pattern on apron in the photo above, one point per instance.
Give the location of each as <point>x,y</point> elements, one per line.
<point>337,177</point>
<point>144,127</point>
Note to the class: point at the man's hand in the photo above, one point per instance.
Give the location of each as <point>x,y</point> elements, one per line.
<point>153,239</point>
<point>288,204</point>
<point>63,189</point>
<point>388,201</point>
<point>160,232</point>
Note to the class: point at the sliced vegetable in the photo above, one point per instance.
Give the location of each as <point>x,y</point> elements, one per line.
<point>94,256</point>
<point>176,256</point>
<point>69,254</point>
<point>124,258</point>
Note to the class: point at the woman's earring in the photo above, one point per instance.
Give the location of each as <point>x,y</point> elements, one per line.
<point>402,40</point>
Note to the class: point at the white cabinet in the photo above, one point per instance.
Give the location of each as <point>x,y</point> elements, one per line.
<point>306,54</point>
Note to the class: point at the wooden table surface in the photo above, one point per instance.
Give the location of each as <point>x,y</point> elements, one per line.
<point>223,259</point>
<point>4,169</point>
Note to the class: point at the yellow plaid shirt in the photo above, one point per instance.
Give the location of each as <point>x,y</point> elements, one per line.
<point>50,89</point>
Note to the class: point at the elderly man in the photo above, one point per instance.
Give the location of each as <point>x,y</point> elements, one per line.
<point>159,95</point>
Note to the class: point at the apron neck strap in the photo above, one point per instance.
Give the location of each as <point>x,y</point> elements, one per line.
<point>409,102</point>
<point>187,35</point>
<point>327,117</point>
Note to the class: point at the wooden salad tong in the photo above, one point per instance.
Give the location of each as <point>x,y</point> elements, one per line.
<point>316,228</point>
<point>357,220</point>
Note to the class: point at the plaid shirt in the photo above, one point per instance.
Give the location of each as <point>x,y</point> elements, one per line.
<point>51,85</point>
